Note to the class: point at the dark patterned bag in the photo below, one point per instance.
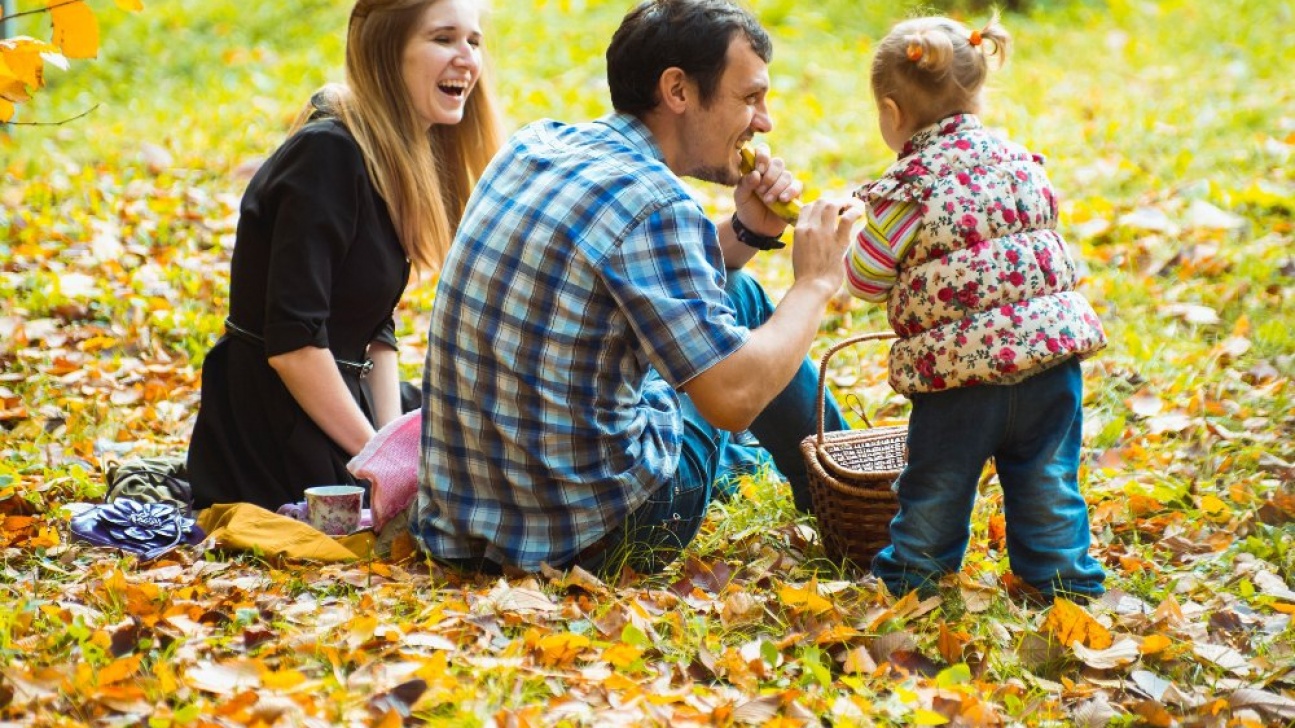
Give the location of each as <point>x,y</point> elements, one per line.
<point>161,479</point>
<point>147,529</point>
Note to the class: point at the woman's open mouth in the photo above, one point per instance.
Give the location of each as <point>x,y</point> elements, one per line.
<point>455,88</point>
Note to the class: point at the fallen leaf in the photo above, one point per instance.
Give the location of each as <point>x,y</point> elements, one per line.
<point>1124,652</point>
<point>1145,404</point>
<point>1223,656</point>
<point>226,678</point>
<point>1070,623</point>
<point>1276,707</point>
<point>1191,313</point>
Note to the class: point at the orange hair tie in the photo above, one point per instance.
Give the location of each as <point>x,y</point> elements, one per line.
<point>975,38</point>
<point>914,52</point>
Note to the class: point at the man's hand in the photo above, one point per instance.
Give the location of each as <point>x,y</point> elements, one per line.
<point>821,239</point>
<point>767,183</point>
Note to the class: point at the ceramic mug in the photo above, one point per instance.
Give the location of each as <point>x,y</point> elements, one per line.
<point>334,509</point>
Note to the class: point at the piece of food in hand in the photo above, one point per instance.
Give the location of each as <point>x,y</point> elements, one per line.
<point>788,211</point>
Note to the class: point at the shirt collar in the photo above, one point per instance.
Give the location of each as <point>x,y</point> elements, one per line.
<point>636,133</point>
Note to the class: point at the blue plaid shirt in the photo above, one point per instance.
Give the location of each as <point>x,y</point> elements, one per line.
<point>582,265</point>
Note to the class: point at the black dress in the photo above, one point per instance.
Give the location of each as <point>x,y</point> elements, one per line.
<point>316,263</point>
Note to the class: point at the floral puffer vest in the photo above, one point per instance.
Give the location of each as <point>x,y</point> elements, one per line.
<point>986,293</point>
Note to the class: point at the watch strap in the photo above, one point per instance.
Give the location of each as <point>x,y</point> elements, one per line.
<point>753,239</point>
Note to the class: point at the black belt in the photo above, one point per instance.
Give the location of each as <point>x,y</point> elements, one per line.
<point>359,369</point>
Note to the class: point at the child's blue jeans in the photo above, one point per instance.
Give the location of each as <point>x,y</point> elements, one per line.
<point>1032,429</point>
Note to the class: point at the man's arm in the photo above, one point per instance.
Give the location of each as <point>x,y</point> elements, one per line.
<point>732,393</point>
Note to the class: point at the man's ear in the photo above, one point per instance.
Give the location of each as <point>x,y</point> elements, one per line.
<point>675,88</point>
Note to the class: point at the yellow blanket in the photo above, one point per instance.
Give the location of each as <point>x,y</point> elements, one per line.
<point>246,527</point>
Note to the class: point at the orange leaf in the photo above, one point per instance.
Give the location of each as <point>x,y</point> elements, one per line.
<point>76,30</point>
<point>952,644</point>
<point>997,530</point>
<point>1069,623</point>
<point>46,537</point>
<point>119,669</point>
<point>837,634</point>
<point>1154,643</point>
<point>622,655</point>
<point>17,523</point>
<point>6,109</point>
<point>20,59</point>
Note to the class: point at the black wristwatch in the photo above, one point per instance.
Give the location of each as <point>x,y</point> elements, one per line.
<point>754,239</point>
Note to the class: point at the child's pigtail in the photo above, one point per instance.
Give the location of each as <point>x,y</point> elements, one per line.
<point>992,40</point>
<point>930,50</point>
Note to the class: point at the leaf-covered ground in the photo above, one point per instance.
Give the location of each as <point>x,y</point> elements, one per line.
<point>1169,132</point>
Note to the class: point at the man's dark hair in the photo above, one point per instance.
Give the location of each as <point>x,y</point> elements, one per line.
<point>692,35</point>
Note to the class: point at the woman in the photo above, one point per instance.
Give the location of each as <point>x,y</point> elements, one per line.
<point>374,180</point>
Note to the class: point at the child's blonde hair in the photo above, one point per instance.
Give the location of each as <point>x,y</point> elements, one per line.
<point>934,67</point>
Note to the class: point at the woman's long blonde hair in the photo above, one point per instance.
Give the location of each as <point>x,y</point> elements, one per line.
<point>424,175</point>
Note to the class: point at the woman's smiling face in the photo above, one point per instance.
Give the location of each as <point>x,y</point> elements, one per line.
<point>442,61</point>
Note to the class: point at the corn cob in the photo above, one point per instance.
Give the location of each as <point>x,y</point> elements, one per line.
<point>788,211</point>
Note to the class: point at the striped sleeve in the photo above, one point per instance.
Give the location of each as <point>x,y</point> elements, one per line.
<point>872,265</point>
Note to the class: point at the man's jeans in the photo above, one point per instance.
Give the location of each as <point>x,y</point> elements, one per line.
<point>1032,429</point>
<point>657,531</point>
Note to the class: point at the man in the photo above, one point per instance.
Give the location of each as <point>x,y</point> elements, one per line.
<point>589,354</point>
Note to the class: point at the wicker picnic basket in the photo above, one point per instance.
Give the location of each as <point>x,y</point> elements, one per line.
<point>850,478</point>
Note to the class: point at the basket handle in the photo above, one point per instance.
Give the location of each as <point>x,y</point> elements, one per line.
<point>822,370</point>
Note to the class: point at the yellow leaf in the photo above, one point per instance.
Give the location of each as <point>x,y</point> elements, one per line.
<point>1214,506</point>
<point>76,30</point>
<point>1069,623</point>
<point>131,6</point>
<point>282,679</point>
<point>1284,608</point>
<point>166,680</point>
<point>806,598</point>
<point>922,716</point>
<point>561,648</point>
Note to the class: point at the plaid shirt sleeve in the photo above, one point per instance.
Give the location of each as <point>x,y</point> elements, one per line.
<point>668,276</point>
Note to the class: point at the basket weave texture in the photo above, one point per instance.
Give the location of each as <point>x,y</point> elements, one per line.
<point>850,478</point>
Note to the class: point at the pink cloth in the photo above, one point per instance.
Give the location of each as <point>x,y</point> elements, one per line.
<point>389,462</point>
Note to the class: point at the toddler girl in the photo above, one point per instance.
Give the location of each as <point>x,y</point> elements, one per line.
<point>960,243</point>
